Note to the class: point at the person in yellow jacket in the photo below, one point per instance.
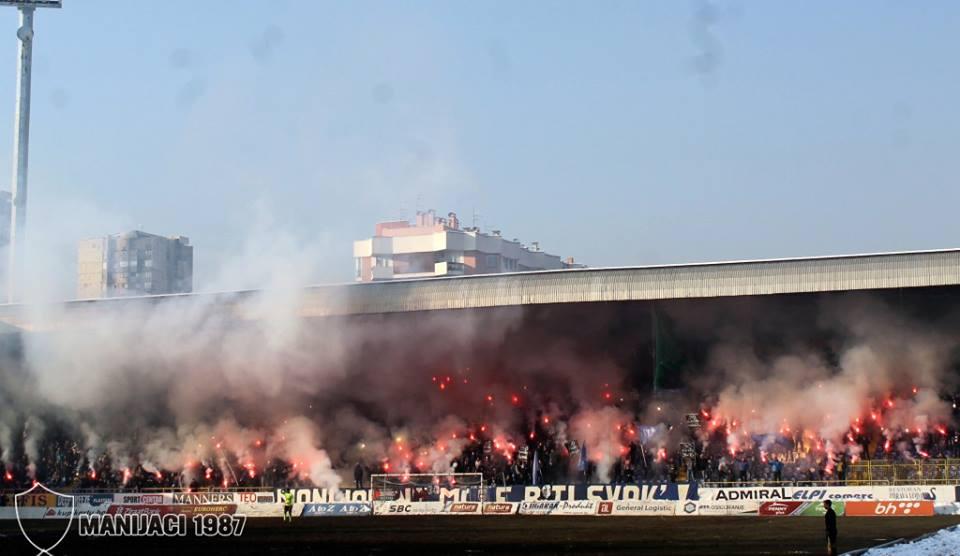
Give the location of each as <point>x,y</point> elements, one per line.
<point>286,496</point>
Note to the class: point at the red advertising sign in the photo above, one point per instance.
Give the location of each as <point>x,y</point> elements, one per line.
<point>890,508</point>
<point>779,508</point>
<point>500,508</point>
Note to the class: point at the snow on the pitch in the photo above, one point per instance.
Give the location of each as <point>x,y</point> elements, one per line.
<point>946,541</point>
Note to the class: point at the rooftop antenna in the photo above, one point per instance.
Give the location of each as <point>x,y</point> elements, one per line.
<point>21,135</point>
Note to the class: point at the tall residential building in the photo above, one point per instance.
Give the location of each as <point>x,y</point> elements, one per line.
<point>134,263</point>
<point>434,246</point>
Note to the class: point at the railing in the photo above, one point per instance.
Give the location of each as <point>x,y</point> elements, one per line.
<point>146,490</point>
<point>788,483</point>
<point>925,472</point>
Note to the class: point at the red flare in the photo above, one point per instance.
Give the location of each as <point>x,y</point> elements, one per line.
<point>889,403</point>
<point>922,453</point>
<point>531,435</point>
<point>443,386</point>
<point>886,445</point>
<point>606,395</point>
<point>8,476</point>
<point>914,389</point>
<point>433,378</point>
<point>448,379</point>
<point>159,475</point>
<point>483,428</point>
<point>546,420</point>
<point>515,399</point>
<point>490,397</point>
<point>93,473</point>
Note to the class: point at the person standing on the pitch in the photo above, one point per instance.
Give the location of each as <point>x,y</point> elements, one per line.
<point>287,496</point>
<point>830,520</point>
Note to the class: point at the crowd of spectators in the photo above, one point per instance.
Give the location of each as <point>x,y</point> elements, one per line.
<point>65,464</point>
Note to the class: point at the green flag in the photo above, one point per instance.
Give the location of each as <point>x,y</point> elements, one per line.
<point>669,358</point>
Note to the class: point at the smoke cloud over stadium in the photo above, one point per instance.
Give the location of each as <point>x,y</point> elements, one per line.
<point>192,391</point>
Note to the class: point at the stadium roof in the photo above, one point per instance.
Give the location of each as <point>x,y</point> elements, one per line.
<point>697,280</point>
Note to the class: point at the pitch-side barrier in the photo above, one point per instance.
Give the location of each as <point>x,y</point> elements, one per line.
<point>654,499</point>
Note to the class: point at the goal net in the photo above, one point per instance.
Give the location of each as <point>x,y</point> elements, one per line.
<point>426,493</point>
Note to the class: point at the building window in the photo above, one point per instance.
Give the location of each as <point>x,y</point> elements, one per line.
<point>492,261</point>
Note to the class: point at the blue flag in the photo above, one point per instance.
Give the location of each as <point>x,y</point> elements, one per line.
<point>535,467</point>
<point>582,466</point>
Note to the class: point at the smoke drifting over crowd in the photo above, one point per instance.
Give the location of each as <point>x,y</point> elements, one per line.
<point>248,392</point>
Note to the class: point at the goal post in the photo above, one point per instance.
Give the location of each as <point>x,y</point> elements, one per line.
<point>427,493</point>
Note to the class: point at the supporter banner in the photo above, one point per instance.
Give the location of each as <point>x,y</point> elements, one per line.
<point>318,495</point>
<point>653,491</point>
<point>333,509</point>
<point>715,507</point>
<point>500,508</point>
<point>795,508</point>
<point>643,507</point>
<point>890,509</point>
<point>558,507</point>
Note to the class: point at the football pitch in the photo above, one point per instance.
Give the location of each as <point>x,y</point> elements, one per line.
<point>526,535</point>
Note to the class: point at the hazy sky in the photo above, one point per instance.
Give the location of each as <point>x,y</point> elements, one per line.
<point>621,133</point>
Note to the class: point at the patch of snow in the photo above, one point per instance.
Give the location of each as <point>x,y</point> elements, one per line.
<point>945,541</point>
